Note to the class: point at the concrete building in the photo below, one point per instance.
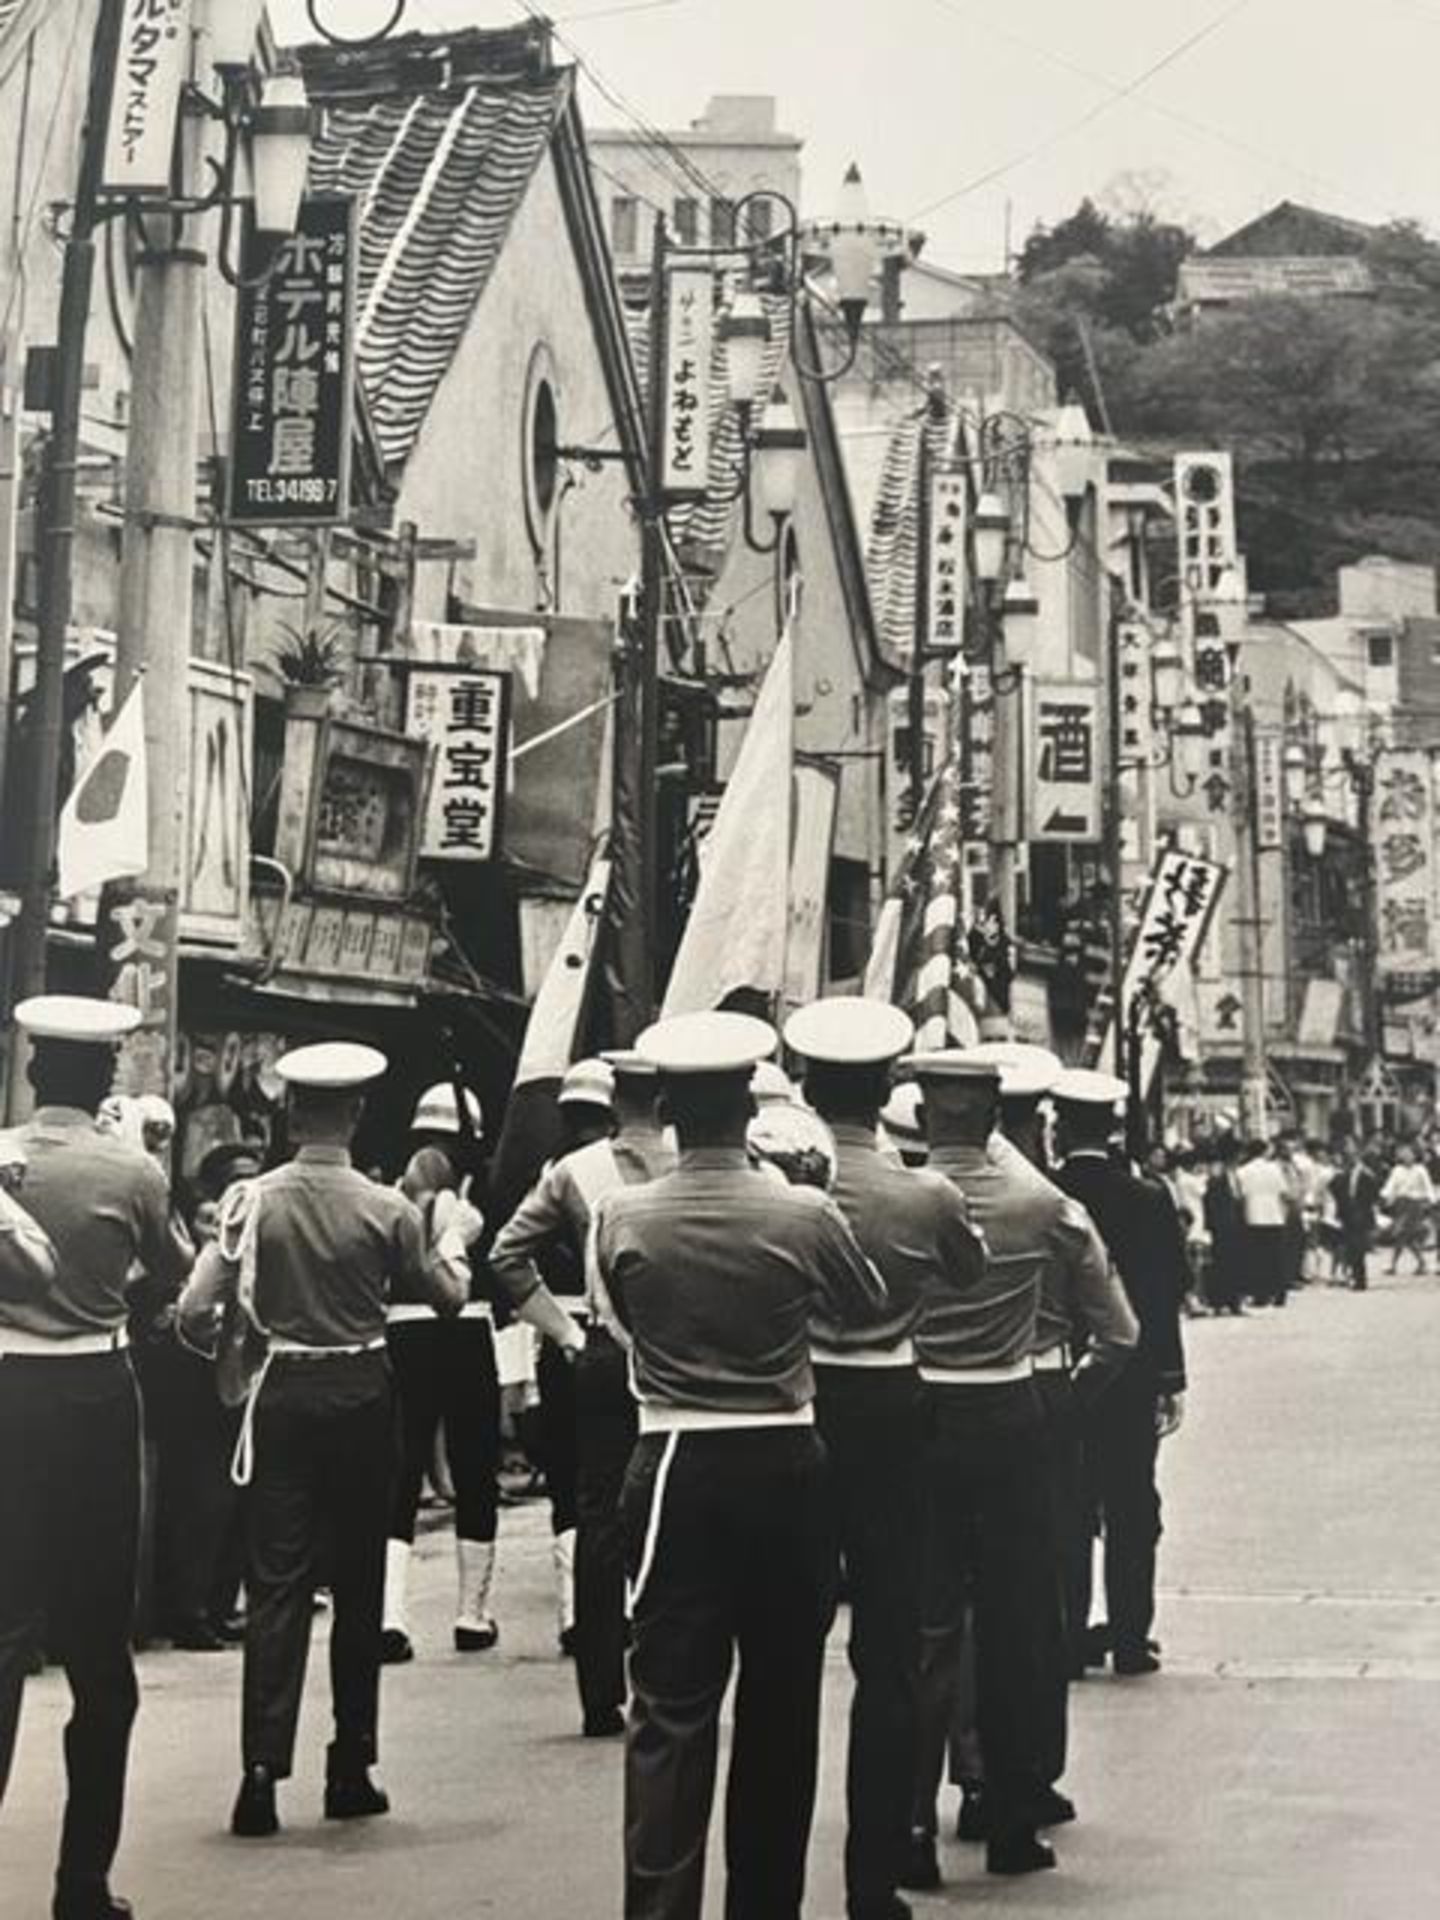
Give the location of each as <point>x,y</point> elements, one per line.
<point>695,177</point>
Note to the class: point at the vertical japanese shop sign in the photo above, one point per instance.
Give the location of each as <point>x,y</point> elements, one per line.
<point>465,713</point>
<point>1269,790</point>
<point>1064,756</point>
<point>154,58</point>
<point>977,750</point>
<point>689,325</point>
<point>294,376</point>
<point>946,581</point>
<point>1404,841</point>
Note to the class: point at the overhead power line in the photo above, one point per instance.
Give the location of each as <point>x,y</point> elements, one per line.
<point>1067,132</point>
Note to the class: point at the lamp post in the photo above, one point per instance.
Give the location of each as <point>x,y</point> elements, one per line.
<point>769,464</point>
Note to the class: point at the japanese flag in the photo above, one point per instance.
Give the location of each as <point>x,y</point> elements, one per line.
<point>105,825</point>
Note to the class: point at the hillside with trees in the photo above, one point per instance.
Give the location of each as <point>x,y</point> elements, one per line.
<point>1332,407</point>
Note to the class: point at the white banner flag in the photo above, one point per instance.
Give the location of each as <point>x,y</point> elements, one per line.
<point>735,936</point>
<point>105,824</point>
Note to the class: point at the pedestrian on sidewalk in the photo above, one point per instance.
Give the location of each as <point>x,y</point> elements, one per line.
<point>446,1380</point>
<point>1265,1204</point>
<point>1355,1191</point>
<point>716,1271</point>
<point>70,1421</point>
<point>1408,1196</point>
<point>1138,1223</point>
<point>1225,1222</point>
<point>307,1257</point>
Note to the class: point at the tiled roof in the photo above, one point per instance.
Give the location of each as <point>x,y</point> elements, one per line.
<point>439,175</point>
<point>893,538</point>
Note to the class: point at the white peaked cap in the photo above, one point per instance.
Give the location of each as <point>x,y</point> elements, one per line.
<point>592,1081</point>
<point>76,1017</point>
<point>331,1065</point>
<point>691,1043</point>
<point>849,1030</point>
<point>1026,1072</point>
<point>1083,1087</point>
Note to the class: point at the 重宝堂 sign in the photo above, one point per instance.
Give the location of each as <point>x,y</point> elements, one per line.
<point>294,376</point>
<point>150,70</point>
<point>464,712</point>
<point>689,322</point>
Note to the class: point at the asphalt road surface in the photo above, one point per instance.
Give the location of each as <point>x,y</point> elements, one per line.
<point>1283,1764</point>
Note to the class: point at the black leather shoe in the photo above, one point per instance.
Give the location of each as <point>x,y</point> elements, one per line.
<point>476,1639</point>
<point>196,1636</point>
<point>354,1797</point>
<point>254,1816</point>
<point>96,1903</point>
<point>395,1648</point>
<point>1053,1808</point>
<point>1131,1662</point>
<point>604,1726</point>
<point>920,1869</point>
<point>1022,1853</point>
<point>971,1823</point>
<point>893,1908</point>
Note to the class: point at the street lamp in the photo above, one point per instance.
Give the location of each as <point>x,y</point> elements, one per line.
<point>1074,454</point>
<point>280,131</point>
<point>744,337</point>
<point>1314,827</point>
<point>854,254</point>
<point>774,469</point>
<point>1020,612</point>
<point>992,537</point>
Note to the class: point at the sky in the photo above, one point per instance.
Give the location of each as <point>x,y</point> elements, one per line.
<point>973,118</point>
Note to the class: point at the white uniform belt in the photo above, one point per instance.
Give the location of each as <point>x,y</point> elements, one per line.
<point>978,1376</point>
<point>576,1305</point>
<point>401,1312</point>
<point>1052,1360</point>
<point>303,1350</point>
<point>67,1346</point>
<point>902,1354</point>
<point>659,1419</point>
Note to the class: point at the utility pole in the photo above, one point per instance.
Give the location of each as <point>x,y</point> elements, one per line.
<point>35,831</point>
<point>633,877</point>
<point>156,601</point>
<point>1247,921</point>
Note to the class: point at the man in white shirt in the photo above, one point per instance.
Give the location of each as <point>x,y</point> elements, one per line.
<point>1264,1200</point>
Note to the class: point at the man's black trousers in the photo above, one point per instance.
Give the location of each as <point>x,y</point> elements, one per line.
<point>69,1527</point>
<point>324,1440</point>
<point>872,1423</point>
<point>987,1534</point>
<point>1121,1451</point>
<point>730,1541</point>
<point>605,1431</point>
<point>445,1374</point>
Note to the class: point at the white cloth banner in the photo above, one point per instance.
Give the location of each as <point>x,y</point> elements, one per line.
<point>735,936</point>
<point>549,1042</point>
<point>105,824</point>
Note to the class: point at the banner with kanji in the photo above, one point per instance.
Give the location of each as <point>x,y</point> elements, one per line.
<point>1403,833</point>
<point>1184,891</point>
<point>464,713</point>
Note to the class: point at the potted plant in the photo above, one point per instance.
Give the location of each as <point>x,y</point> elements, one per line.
<point>309,663</point>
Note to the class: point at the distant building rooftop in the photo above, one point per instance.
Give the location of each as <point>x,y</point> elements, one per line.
<point>730,120</point>
<point>1205,281</point>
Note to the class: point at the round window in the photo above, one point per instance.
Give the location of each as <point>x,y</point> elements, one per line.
<point>541,429</point>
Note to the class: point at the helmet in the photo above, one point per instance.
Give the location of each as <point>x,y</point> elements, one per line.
<point>590,1081</point>
<point>796,1141</point>
<point>436,1111</point>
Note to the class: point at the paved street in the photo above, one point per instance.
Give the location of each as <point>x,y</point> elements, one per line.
<point>1283,1764</point>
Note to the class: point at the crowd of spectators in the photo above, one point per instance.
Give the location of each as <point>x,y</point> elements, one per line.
<point>1263,1217</point>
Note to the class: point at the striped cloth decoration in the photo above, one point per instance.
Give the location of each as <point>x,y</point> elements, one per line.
<point>921,955</point>
<point>439,175</point>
